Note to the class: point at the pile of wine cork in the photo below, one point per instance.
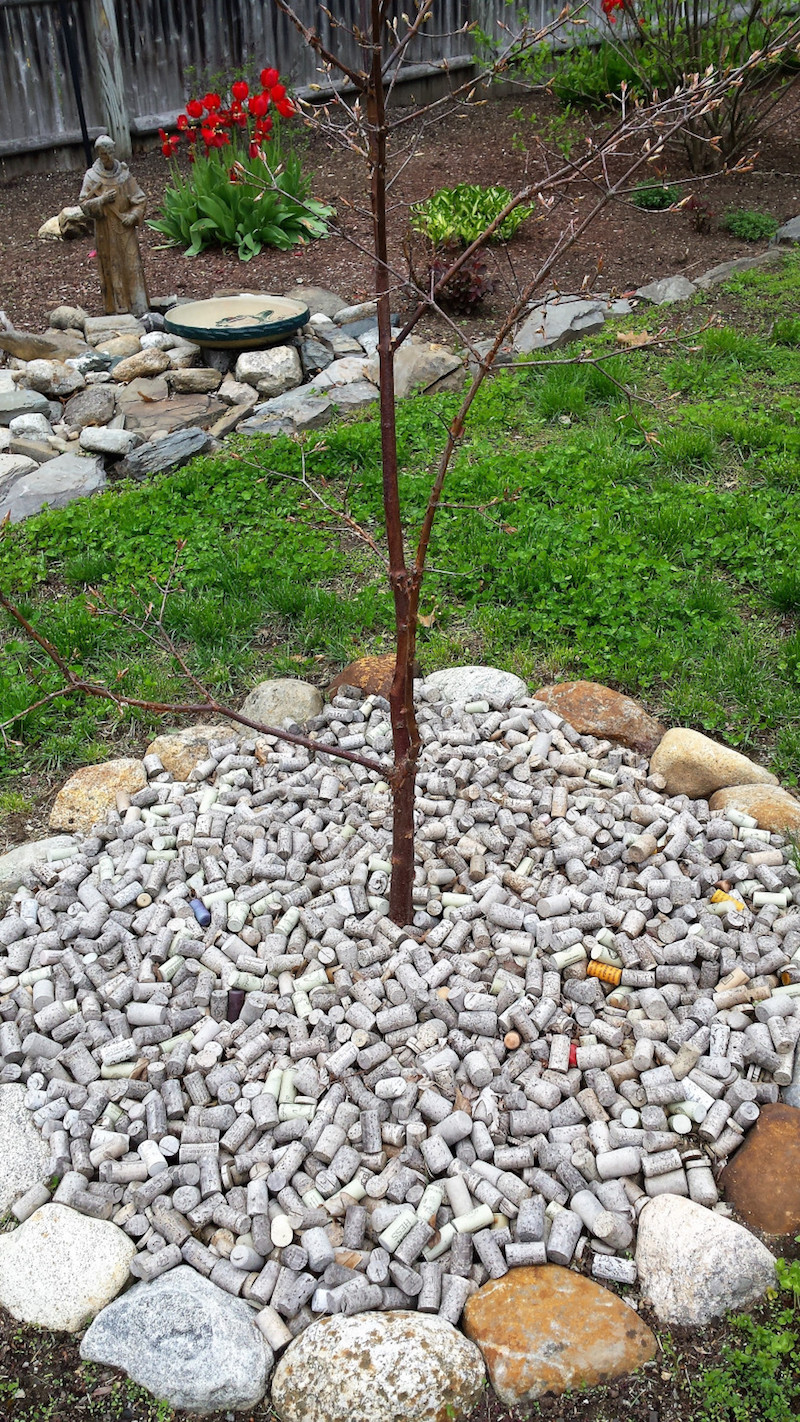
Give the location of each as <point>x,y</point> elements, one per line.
<point>235,1055</point>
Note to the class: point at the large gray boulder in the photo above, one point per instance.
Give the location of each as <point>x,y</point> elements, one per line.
<point>378,1367</point>
<point>185,1340</point>
<point>55,484</point>
<point>18,861</point>
<point>59,1268</point>
<point>667,290</point>
<point>24,1155</point>
<point>695,1265</point>
<point>272,371</point>
<point>273,702</point>
<point>94,406</point>
<point>788,234</point>
<point>558,323</point>
<point>318,299</point>
<point>158,455</point>
<point>473,684</point>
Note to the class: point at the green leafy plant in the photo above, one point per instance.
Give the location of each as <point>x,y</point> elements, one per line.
<point>467,288</point>
<point>245,188</point>
<point>758,1380</point>
<point>655,197</point>
<point>749,225</point>
<point>786,331</point>
<point>462,214</point>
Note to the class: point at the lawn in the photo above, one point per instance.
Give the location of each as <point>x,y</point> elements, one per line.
<point>648,542</point>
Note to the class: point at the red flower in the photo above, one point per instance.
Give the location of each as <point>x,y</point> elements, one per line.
<point>258,105</point>
<point>277,92</point>
<point>269,78</point>
<point>194,109</point>
<point>212,102</point>
<point>240,90</point>
<point>168,143</point>
<point>263,128</point>
<point>608,8</point>
<point>285,108</point>
<point>254,150</point>
<point>183,122</point>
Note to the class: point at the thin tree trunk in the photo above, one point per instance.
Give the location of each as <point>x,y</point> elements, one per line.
<point>405,584</point>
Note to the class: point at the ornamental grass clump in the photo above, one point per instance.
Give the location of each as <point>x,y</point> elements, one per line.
<point>245,187</point>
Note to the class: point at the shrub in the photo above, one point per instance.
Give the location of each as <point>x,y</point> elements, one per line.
<point>749,225</point>
<point>244,188</point>
<point>462,213</point>
<point>655,197</point>
<point>467,288</point>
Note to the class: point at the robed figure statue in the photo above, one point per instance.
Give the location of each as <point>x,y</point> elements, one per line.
<point>116,202</point>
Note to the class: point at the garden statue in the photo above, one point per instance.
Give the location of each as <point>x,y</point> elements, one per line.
<point>116,202</point>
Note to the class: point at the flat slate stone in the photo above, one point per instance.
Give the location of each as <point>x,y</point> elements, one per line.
<point>557,323</point>
<point>21,402</point>
<point>773,257</point>
<point>54,484</point>
<point>667,290</point>
<point>185,1340</point>
<point>160,455</point>
<point>762,1182</point>
<point>547,1330</point>
<point>182,412</point>
<point>788,233</point>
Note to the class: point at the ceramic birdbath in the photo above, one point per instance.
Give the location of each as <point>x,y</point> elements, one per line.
<point>243,322</point>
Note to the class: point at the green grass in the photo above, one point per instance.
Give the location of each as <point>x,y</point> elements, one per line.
<point>649,544</point>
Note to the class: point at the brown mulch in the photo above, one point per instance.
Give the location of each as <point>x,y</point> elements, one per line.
<point>624,248</point>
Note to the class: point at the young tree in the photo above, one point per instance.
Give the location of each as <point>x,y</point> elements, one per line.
<point>357,115</point>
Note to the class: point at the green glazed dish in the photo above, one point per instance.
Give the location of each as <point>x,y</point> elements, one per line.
<point>247,321</point>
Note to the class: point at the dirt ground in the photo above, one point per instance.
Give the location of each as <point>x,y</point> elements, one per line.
<point>494,142</point>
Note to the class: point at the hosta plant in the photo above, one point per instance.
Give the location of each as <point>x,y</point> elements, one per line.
<point>463,213</point>
<point>245,188</point>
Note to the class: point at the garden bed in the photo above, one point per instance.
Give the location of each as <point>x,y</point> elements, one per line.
<point>624,248</point>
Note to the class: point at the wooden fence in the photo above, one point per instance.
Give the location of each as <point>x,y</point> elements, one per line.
<point>136,61</point>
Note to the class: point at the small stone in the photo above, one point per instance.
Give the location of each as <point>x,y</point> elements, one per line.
<point>92,791</point>
<point>271,371</point>
<point>91,407</point>
<point>344,345</point>
<point>24,1155</point>
<point>20,860</point>
<point>100,439</point>
<point>92,363</point>
<point>50,231</point>
<point>762,1182</point>
<point>378,1367</point>
<point>73,222</point>
<point>237,392</point>
<point>695,1265</point>
<point>596,710</point>
<point>473,684</point>
<point>67,318</point>
<point>180,751</point>
<point>372,675</point>
<point>314,356</point>
<point>694,765</point>
<point>273,702</point>
<point>773,809</point>
<point>547,1329</point>
<point>21,402</point>
<point>667,290</point>
<point>59,1268</point>
<point>183,354</point>
<point>186,1341</point>
<point>57,483</point>
<point>318,299</point>
<point>197,380</point>
<point>53,378</point>
<point>149,362</point>
<point>30,427</point>
<point>341,372</point>
<point>174,450</point>
<point>557,323</point>
<point>119,347</point>
<point>38,450</point>
<point>364,309</point>
<point>228,421</point>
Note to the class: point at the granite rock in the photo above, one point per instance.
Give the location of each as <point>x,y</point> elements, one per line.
<point>473,684</point>
<point>774,809</point>
<point>695,1265</point>
<point>92,791</point>
<point>273,702</point>
<point>17,862</point>
<point>94,406</point>
<point>596,710</point>
<point>696,766</point>
<point>272,372</point>
<point>53,378</point>
<point>59,1268</point>
<point>180,751</point>
<point>24,1155</point>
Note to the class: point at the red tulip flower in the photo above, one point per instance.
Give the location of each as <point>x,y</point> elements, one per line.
<point>240,90</point>
<point>183,122</point>
<point>269,78</point>
<point>212,102</point>
<point>168,143</point>
<point>194,109</point>
<point>258,105</point>
<point>608,8</point>
<point>277,92</point>
<point>285,108</point>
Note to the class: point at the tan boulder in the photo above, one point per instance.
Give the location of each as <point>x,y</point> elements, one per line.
<point>694,765</point>
<point>119,346</point>
<point>372,675</point>
<point>547,1329</point>
<point>180,751</point>
<point>55,345</point>
<point>149,362</point>
<point>91,792</point>
<point>596,710</point>
<point>762,1182</point>
<point>774,809</point>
